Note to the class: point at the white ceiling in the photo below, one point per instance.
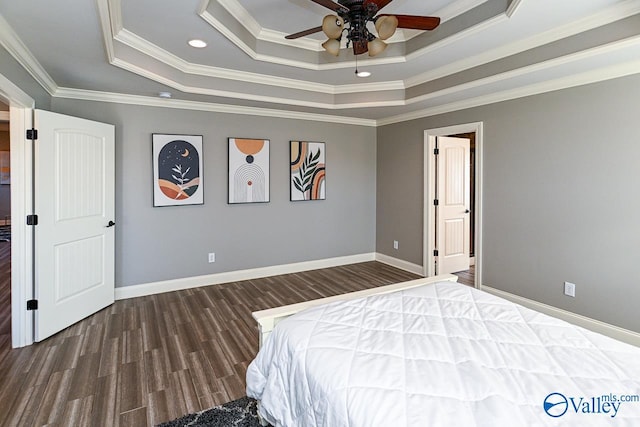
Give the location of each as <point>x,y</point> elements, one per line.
<point>484,51</point>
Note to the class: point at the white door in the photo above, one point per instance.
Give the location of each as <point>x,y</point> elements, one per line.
<point>74,237</point>
<point>452,211</point>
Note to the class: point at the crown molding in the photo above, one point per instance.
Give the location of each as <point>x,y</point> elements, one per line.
<point>513,7</point>
<point>265,34</point>
<point>115,8</point>
<point>612,14</point>
<point>12,43</point>
<point>138,43</point>
<point>18,50</point>
<point>368,87</point>
<point>231,36</point>
<point>530,69</point>
<point>457,8</point>
<point>458,37</point>
<point>142,45</point>
<point>241,14</point>
<point>580,79</point>
<point>130,39</point>
<point>106,26</point>
<point>248,96</point>
<point>118,98</point>
<point>12,93</point>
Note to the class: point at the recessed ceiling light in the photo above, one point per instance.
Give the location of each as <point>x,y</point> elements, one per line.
<point>363,74</point>
<point>164,94</point>
<point>197,43</point>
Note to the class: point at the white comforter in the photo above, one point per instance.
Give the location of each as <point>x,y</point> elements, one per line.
<point>440,355</point>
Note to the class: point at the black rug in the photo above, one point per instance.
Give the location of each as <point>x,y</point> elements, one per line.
<point>238,413</point>
<point>5,233</point>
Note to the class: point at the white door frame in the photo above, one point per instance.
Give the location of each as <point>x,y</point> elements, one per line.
<point>429,195</point>
<point>20,108</point>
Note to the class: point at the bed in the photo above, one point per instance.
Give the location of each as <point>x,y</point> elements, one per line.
<point>432,352</point>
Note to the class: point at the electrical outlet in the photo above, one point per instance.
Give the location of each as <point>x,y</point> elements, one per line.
<point>570,289</point>
<point>212,257</point>
<point>395,244</point>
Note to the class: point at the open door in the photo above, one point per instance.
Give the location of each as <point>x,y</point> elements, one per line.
<point>74,235</point>
<point>452,212</point>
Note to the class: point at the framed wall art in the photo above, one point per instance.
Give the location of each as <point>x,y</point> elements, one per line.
<point>177,170</point>
<point>248,170</point>
<point>308,174</point>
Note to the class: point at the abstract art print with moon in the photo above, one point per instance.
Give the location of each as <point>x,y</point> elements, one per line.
<point>177,170</point>
<point>248,170</point>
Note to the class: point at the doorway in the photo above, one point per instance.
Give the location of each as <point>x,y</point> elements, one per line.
<point>430,214</point>
<point>19,119</point>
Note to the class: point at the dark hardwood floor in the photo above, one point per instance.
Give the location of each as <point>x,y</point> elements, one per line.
<point>467,277</point>
<point>5,295</point>
<point>147,360</point>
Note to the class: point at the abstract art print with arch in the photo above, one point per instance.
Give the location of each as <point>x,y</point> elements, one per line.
<point>308,175</point>
<point>248,170</point>
<point>177,170</point>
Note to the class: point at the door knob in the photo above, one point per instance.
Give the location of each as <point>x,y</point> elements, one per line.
<point>111,224</point>
<point>467,211</point>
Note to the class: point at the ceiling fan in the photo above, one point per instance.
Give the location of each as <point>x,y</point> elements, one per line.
<point>357,13</point>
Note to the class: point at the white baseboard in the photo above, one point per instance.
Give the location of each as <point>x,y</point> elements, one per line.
<point>235,276</point>
<point>603,328</point>
<point>399,263</point>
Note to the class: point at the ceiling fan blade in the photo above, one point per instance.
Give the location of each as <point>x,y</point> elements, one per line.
<point>304,33</point>
<point>331,5</point>
<point>417,22</point>
<point>380,3</point>
<point>360,47</point>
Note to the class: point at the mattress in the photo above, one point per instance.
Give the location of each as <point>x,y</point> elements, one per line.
<point>441,355</point>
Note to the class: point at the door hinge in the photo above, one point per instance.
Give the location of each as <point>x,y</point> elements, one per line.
<point>435,252</point>
<point>32,219</point>
<point>32,134</point>
<point>32,304</point>
<point>436,151</point>
<point>436,202</point>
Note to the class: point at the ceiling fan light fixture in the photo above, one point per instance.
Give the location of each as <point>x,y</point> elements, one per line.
<point>386,26</point>
<point>351,19</point>
<point>332,46</point>
<point>376,47</point>
<point>332,26</point>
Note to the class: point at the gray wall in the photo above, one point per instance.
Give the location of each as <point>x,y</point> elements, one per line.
<point>154,244</point>
<point>561,196</point>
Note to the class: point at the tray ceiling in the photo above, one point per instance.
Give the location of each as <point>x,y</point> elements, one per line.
<point>484,51</point>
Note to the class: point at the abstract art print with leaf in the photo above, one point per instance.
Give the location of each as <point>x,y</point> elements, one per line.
<point>308,177</point>
<point>177,170</point>
<point>248,170</point>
